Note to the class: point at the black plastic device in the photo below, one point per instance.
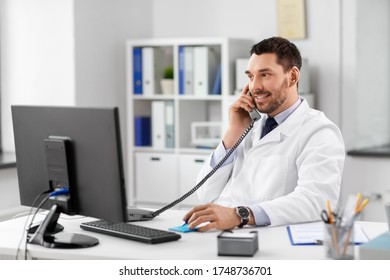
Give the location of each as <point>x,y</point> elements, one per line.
<point>60,169</point>
<point>58,156</point>
<point>131,232</point>
<point>75,148</point>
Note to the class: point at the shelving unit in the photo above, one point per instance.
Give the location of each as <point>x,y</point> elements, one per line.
<point>157,176</point>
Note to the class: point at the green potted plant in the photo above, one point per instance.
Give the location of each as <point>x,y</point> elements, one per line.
<point>167,80</point>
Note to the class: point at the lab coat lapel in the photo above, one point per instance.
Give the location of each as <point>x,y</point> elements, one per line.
<point>273,136</point>
<point>293,122</point>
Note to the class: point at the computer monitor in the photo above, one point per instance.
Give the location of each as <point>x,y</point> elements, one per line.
<point>72,148</point>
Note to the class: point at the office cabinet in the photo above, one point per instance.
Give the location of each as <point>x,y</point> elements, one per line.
<point>185,122</point>
<point>155,177</point>
<point>189,167</point>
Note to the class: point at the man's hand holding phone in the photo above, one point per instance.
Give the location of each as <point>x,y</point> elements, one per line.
<point>239,118</point>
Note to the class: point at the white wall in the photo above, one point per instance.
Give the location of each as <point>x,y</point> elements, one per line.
<point>366,99</point>
<point>37,56</point>
<point>101,29</point>
<point>67,52</point>
<point>372,77</point>
<point>366,70</point>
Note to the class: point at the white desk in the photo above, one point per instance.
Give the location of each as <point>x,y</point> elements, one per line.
<point>274,243</point>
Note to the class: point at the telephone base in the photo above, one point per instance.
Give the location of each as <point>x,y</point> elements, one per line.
<point>135,214</point>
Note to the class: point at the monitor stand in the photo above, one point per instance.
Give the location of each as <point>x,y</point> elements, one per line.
<point>46,234</point>
<point>33,228</point>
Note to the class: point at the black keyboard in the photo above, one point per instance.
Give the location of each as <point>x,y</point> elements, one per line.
<point>130,231</point>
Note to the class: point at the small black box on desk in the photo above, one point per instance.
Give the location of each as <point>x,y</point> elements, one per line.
<point>243,244</point>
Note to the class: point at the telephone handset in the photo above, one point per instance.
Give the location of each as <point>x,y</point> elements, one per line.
<point>136,214</point>
<point>255,114</point>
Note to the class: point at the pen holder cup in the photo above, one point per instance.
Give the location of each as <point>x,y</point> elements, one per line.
<point>339,242</point>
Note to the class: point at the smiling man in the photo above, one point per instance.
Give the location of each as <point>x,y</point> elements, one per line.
<point>290,163</point>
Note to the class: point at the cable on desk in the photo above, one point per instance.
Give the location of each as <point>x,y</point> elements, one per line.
<point>219,164</point>
<point>50,193</point>
<point>25,230</point>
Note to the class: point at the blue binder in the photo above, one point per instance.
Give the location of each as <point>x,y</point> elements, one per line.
<point>142,129</point>
<point>137,70</point>
<point>216,90</point>
<point>181,70</point>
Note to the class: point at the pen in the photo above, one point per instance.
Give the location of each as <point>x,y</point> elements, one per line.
<point>350,226</point>
<point>358,199</point>
<point>361,206</point>
<point>330,214</point>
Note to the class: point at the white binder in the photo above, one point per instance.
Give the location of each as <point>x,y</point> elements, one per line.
<point>188,70</point>
<point>205,69</point>
<point>158,124</point>
<point>169,125</point>
<point>152,70</point>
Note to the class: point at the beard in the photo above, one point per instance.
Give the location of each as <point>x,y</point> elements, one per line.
<point>275,99</point>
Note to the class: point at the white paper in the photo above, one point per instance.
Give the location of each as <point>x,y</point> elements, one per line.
<point>311,232</point>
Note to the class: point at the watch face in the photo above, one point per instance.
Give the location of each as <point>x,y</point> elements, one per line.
<point>243,212</point>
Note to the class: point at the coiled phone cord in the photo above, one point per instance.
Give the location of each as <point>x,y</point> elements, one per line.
<point>220,163</point>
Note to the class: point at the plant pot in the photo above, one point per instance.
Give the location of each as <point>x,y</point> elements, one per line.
<point>167,86</point>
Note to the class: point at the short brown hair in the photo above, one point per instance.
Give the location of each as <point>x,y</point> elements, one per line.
<point>287,53</point>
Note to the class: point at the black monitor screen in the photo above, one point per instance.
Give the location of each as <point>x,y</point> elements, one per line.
<point>95,161</point>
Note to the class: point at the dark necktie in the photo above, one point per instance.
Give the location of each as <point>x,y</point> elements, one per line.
<point>270,124</point>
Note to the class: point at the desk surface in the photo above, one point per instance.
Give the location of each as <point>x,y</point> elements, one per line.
<point>274,243</point>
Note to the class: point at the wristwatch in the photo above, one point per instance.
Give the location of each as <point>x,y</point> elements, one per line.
<point>243,213</point>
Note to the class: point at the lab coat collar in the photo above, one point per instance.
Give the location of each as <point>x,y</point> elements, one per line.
<point>286,128</point>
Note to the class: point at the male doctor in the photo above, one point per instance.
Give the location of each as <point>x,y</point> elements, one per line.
<point>285,176</point>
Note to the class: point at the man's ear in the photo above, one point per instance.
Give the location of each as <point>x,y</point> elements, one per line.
<point>294,76</point>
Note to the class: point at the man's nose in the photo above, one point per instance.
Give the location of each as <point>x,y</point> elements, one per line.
<point>256,85</point>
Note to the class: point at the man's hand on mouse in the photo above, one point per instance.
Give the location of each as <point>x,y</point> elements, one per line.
<point>214,216</point>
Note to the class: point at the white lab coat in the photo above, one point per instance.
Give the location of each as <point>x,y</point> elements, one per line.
<point>290,172</point>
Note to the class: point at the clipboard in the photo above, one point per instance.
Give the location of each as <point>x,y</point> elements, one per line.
<point>313,234</point>
<point>304,235</point>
